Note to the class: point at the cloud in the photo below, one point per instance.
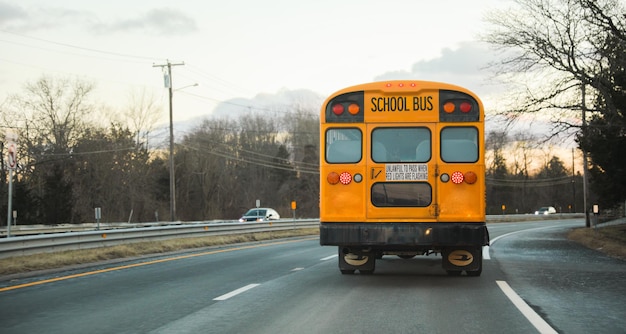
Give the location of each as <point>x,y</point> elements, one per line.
<point>162,21</point>
<point>300,100</point>
<point>159,21</point>
<point>9,13</point>
<point>464,66</point>
<point>25,19</point>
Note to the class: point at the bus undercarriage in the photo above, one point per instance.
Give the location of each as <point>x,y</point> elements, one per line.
<point>360,244</point>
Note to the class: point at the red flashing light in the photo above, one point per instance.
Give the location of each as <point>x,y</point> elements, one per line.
<point>465,107</point>
<point>338,109</point>
<point>457,177</point>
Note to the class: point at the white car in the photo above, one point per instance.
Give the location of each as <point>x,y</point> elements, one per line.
<point>546,210</point>
<point>259,215</point>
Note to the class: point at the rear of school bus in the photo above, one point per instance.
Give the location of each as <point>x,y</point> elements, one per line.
<point>402,173</point>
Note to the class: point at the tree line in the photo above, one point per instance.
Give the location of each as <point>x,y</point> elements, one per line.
<point>69,163</point>
<point>523,174</point>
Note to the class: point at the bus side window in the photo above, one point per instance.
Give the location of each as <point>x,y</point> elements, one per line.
<point>459,144</point>
<point>459,150</point>
<point>344,151</point>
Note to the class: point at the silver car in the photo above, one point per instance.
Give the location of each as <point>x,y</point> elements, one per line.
<point>259,215</point>
<point>546,210</point>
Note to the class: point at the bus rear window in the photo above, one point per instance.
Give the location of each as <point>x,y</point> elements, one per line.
<point>343,145</point>
<point>401,145</point>
<point>459,144</point>
<point>401,194</point>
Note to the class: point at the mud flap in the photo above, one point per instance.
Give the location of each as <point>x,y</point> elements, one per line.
<point>365,263</point>
<point>459,259</point>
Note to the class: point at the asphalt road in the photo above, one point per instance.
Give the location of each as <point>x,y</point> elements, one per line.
<point>534,281</point>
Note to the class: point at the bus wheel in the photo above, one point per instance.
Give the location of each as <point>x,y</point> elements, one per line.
<point>456,260</point>
<point>364,262</point>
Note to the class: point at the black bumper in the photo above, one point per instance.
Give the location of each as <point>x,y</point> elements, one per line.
<point>401,235</point>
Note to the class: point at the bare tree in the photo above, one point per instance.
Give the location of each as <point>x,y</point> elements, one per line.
<point>524,144</point>
<point>53,115</point>
<point>552,48</point>
<point>142,113</point>
<point>58,108</point>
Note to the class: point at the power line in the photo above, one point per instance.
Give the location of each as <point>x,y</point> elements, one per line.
<point>74,46</point>
<point>253,161</point>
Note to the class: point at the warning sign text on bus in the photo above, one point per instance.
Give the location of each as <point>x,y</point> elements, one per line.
<point>406,172</point>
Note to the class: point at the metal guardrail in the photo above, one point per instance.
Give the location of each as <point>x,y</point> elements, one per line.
<point>53,242</point>
<point>83,236</point>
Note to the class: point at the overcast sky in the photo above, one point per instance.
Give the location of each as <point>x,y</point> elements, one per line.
<point>252,52</point>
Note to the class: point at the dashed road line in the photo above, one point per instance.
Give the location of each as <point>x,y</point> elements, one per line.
<point>236,292</point>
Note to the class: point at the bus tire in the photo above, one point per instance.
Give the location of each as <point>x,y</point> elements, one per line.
<point>364,262</point>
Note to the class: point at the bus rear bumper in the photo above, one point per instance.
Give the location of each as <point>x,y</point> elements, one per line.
<point>404,235</point>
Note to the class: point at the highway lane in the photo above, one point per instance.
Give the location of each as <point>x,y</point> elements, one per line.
<point>575,289</point>
<point>295,286</point>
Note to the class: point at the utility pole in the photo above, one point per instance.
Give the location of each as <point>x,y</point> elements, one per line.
<point>585,173</point>
<point>168,84</point>
<point>573,183</point>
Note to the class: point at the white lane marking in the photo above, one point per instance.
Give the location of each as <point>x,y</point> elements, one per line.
<point>236,292</point>
<point>329,257</point>
<point>540,324</point>
<point>297,269</point>
<point>492,241</point>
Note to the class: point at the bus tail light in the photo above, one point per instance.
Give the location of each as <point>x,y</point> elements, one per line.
<point>470,177</point>
<point>459,177</point>
<point>345,178</point>
<point>332,178</point>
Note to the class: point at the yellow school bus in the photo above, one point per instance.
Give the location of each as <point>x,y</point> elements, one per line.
<point>402,172</point>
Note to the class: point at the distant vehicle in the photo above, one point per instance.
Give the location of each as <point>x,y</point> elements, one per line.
<point>546,210</point>
<point>259,215</point>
